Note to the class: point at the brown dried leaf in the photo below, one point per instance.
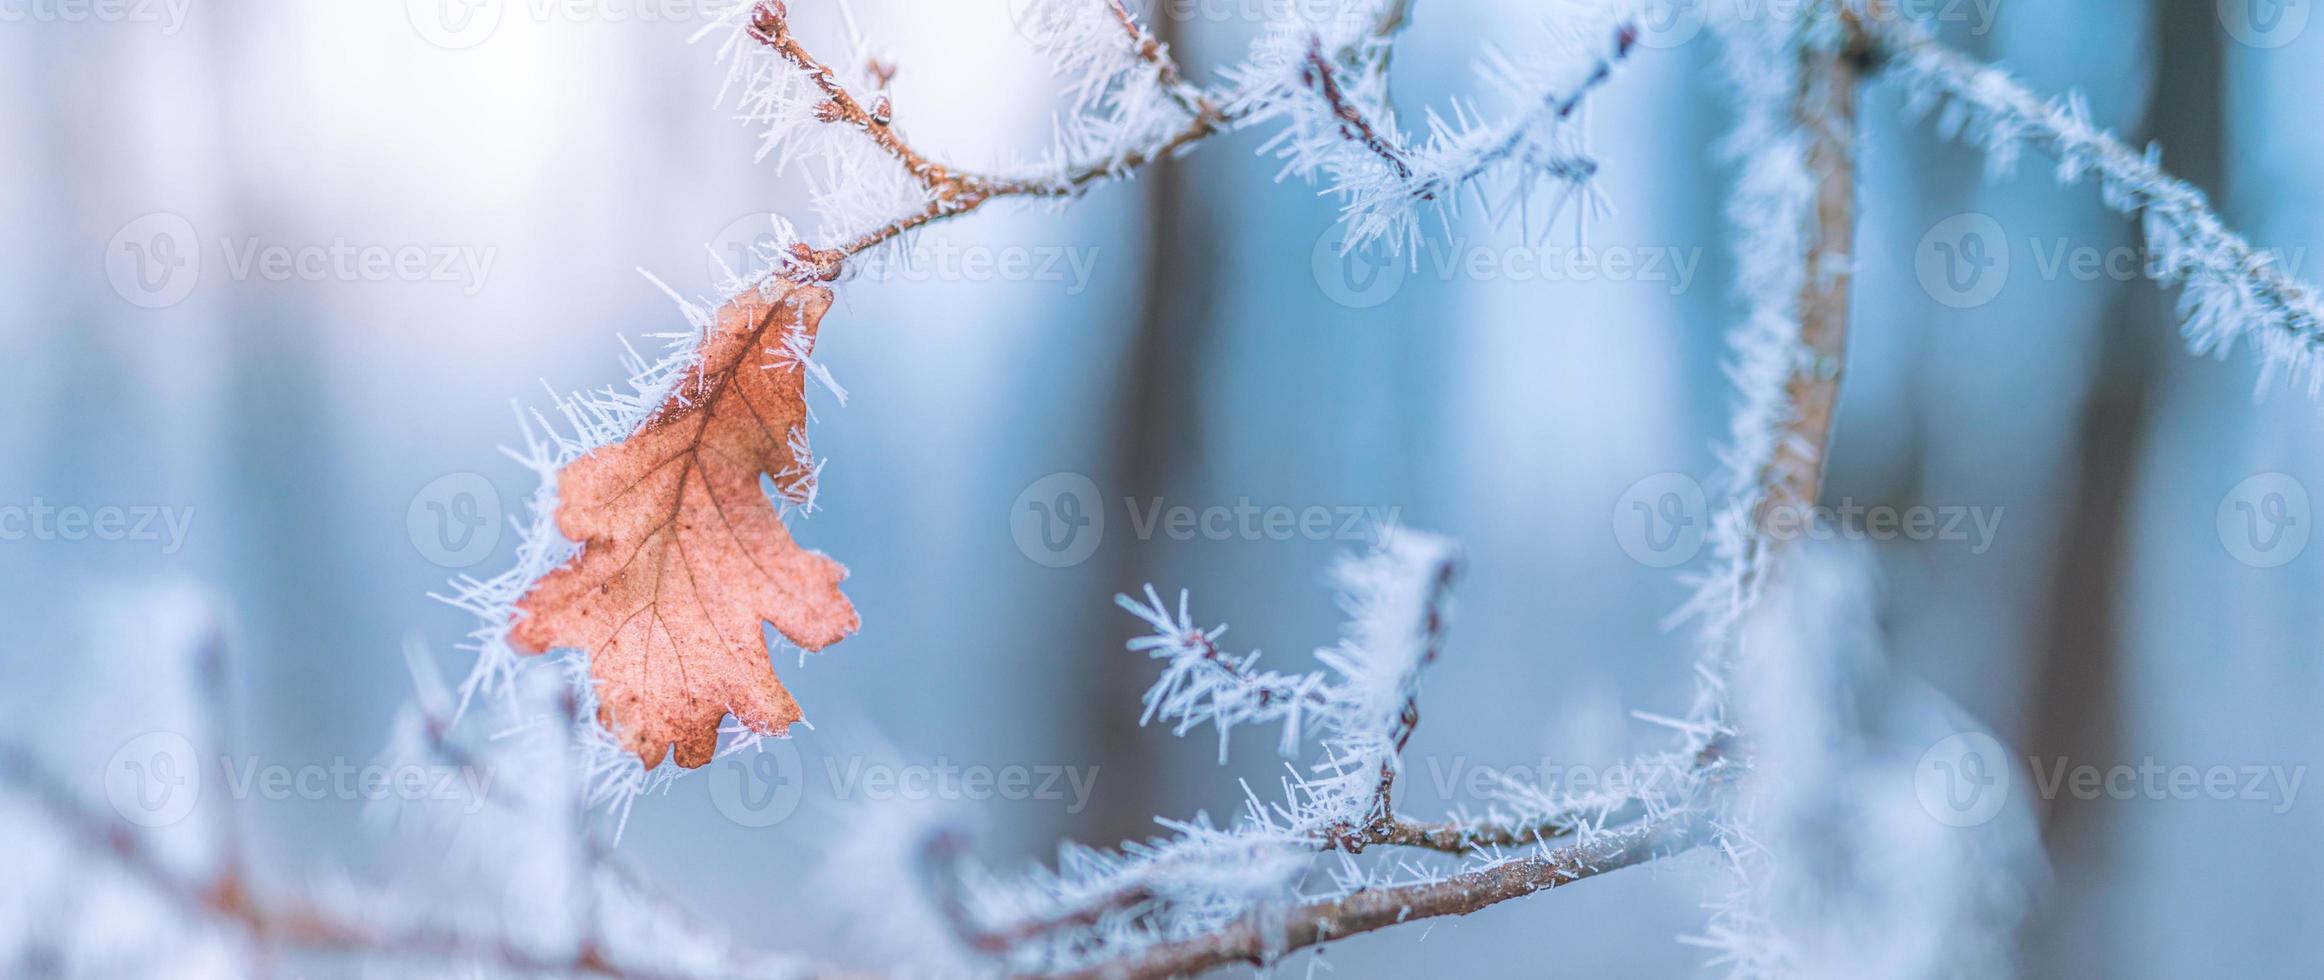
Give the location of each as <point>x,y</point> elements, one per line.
<point>682,553</point>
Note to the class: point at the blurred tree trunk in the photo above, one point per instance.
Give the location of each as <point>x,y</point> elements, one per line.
<point>2077,710</point>
<point>1157,430</point>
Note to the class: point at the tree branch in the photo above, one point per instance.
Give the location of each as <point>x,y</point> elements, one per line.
<point>1355,125</point>
<point>227,899</point>
<point>1263,938</point>
<point>956,192</point>
<point>1155,53</point>
<point>1825,112</point>
<point>2234,288</point>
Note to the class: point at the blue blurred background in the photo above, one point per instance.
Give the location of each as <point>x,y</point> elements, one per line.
<point>1196,338</point>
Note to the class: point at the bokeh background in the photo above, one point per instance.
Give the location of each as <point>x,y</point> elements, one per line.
<point>1197,339</point>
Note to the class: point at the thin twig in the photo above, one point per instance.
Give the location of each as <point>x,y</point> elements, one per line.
<point>1470,837</point>
<point>1355,125</point>
<point>1156,54</point>
<point>955,192</point>
<point>1263,938</point>
<point>2207,250</point>
<point>226,899</point>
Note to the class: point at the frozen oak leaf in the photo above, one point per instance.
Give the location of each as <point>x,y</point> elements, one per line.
<point>682,554</point>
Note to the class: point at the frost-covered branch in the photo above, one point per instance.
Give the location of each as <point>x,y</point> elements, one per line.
<point>2232,289</point>
<point>1328,83</point>
<point>1793,210</point>
<point>1325,75</point>
<point>547,899</point>
<point>1365,708</point>
<point>1208,895</point>
<point>227,899</point>
<point>1150,49</point>
<point>1826,117</point>
<point>1131,128</point>
<point>1263,940</point>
